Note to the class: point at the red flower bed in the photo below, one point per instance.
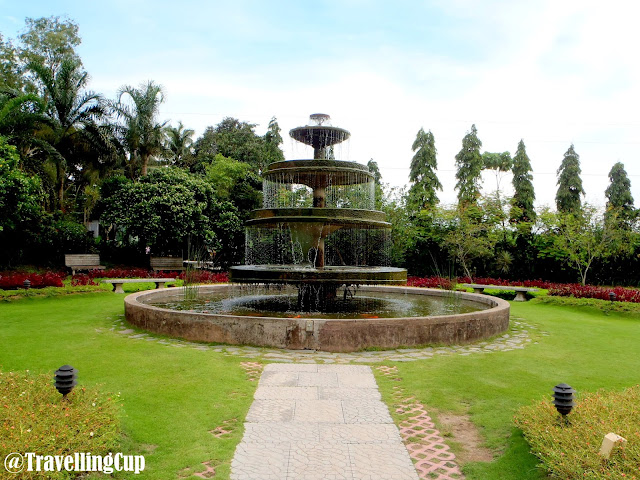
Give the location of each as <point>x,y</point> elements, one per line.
<point>13,280</point>
<point>589,291</point>
<point>555,289</point>
<point>430,282</point>
<point>78,280</point>
<point>205,276</point>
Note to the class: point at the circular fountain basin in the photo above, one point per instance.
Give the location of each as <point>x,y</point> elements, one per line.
<point>315,332</point>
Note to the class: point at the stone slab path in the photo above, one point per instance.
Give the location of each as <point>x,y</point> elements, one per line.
<point>324,422</point>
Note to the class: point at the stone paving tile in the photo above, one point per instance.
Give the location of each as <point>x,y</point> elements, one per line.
<point>356,380</point>
<point>294,393</point>
<point>376,462</point>
<point>365,411</point>
<point>291,432</point>
<point>296,367</point>
<point>253,461</point>
<point>271,411</point>
<point>318,461</point>
<point>279,379</point>
<point>343,393</point>
<point>354,433</point>
<point>319,411</point>
<point>317,379</point>
<point>344,369</point>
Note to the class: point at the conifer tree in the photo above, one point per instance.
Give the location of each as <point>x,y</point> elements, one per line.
<point>422,193</point>
<point>569,183</point>
<point>618,193</point>
<point>523,194</point>
<point>469,164</point>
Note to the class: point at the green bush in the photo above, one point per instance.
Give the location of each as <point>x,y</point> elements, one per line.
<point>572,451</point>
<point>603,305</point>
<point>35,418</point>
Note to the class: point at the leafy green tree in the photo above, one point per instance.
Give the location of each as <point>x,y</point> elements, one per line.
<point>20,205</point>
<point>422,193</point>
<point>581,238</point>
<point>618,193</point>
<point>10,75</point>
<point>471,235</point>
<point>469,168</point>
<point>142,133</point>
<point>49,41</point>
<point>569,183</point>
<point>372,165</point>
<point>238,140</point>
<point>522,209</point>
<point>272,141</point>
<point>179,144</point>
<point>167,209</point>
<point>224,173</point>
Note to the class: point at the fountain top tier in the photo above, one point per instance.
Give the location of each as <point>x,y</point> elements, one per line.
<point>319,135</point>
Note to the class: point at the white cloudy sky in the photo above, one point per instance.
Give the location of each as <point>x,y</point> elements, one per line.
<point>550,72</point>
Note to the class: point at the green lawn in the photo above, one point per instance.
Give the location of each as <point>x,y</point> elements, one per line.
<point>172,396</point>
<point>585,348</point>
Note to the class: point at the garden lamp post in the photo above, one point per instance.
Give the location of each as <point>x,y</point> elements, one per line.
<point>563,400</point>
<point>612,296</point>
<point>26,284</point>
<point>65,379</point>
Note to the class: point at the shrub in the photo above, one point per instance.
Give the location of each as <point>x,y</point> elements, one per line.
<point>571,452</point>
<point>204,276</point>
<point>14,280</point>
<point>589,291</point>
<point>430,282</point>
<point>35,418</point>
<point>78,280</point>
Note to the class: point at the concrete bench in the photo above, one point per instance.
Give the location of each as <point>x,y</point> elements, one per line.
<point>166,263</point>
<point>520,291</point>
<point>118,282</point>
<point>82,261</point>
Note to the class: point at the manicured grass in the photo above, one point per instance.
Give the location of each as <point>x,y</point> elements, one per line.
<point>586,348</point>
<point>171,397</point>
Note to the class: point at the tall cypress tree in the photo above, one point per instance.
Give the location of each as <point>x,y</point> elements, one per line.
<point>618,192</point>
<point>422,193</point>
<point>469,164</point>
<point>569,183</point>
<point>523,194</point>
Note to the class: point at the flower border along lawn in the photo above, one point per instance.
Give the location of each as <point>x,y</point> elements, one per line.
<point>582,346</point>
<point>171,397</point>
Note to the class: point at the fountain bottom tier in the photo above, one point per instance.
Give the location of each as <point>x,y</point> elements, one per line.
<point>381,317</point>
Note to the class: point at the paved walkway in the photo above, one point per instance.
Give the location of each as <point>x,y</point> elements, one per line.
<point>323,422</point>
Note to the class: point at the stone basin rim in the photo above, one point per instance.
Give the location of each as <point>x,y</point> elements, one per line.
<point>479,298</point>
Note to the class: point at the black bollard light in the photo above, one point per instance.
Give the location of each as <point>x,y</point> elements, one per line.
<point>26,284</point>
<point>563,400</point>
<point>65,379</point>
<point>612,296</point>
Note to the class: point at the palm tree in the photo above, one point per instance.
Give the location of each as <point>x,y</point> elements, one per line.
<point>75,115</point>
<point>21,118</point>
<point>142,135</point>
<point>179,142</point>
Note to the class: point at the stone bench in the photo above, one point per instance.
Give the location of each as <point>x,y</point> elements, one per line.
<point>118,282</point>
<point>520,291</point>
<point>166,263</point>
<point>82,261</point>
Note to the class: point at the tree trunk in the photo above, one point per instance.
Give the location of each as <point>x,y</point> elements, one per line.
<point>61,189</point>
<point>145,163</point>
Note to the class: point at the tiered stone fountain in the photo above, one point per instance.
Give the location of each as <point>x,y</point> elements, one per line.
<point>318,229</point>
<point>317,272</point>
